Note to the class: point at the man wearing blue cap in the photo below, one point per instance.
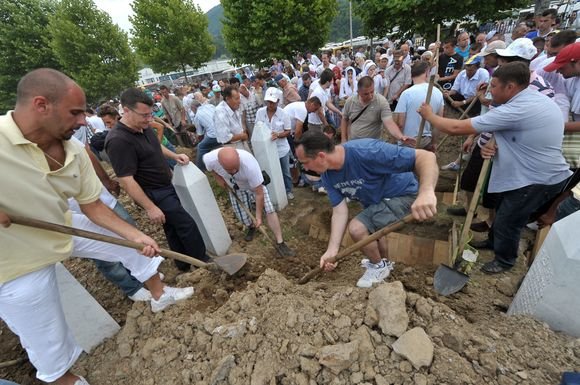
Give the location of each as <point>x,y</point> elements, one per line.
<point>464,89</point>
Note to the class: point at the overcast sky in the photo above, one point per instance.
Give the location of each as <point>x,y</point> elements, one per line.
<point>121,9</point>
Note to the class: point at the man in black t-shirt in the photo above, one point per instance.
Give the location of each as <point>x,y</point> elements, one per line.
<point>139,163</point>
<point>450,63</point>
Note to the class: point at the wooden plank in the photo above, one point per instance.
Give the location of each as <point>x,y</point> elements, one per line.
<point>448,198</point>
<point>540,237</point>
<point>422,251</point>
<point>440,253</point>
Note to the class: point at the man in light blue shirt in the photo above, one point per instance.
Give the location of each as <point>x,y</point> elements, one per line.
<point>204,125</point>
<point>464,89</point>
<point>406,115</point>
<point>528,168</point>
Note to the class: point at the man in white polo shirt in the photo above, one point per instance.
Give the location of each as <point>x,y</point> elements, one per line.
<point>278,121</point>
<point>464,89</point>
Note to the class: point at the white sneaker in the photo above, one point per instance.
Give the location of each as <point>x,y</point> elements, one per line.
<point>170,296</point>
<point>141,295</point>
<point>179,293</point>
<point>290,196</point>
<point>81,381</point>
<point>374,273</point>
<point>322,190</point>
<point>451,167</point>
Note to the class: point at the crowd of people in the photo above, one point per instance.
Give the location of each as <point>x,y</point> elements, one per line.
<point>348,126</point>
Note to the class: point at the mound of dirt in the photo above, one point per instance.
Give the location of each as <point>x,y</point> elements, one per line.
<point>277,332</point>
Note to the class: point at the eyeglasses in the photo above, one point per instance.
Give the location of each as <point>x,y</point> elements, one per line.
<point>144,115</point>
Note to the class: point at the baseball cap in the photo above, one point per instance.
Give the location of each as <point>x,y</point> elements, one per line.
<point>570,53</point>
<point>359,54</point>
<point>522,47</point>
<point>272,95</point>
<point>384,56</point>
<point>216,88</point>
<point>493,47</point>
<point>474,60</point>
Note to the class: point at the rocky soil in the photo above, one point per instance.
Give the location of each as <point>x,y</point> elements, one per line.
<point>260,327</point>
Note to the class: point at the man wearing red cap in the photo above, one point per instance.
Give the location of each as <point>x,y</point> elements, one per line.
<point>567,63</point>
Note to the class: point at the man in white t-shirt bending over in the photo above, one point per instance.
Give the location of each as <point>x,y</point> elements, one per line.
<point>241,171</point>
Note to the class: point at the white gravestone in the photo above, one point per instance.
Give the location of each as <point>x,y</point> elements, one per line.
<point>266,152</point>
<point>550,290</point>
<point>89,322</point>
<point>196,196</point>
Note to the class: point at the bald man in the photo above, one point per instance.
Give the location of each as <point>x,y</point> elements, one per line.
<point>241,171</point>
<point>35,146</point>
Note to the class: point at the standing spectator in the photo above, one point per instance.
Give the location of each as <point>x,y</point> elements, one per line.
<point>278,122</point>
<point>204,124</point>
<point>305,88</point>
<point>366,113</point>
<point>173,108</point>
<point>397,79</point>
<point>450,63</point>
<point>544,24</point>
<point>228,121</point>
<point>406,116</point>
<point>462,48</point>
<point>289,92</point>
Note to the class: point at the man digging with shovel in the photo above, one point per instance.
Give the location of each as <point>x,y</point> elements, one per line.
<point>239,170</point>
<point>380,176</point>
<point>43,169</point>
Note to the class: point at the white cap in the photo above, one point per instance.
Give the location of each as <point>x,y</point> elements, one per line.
<point>522,47</point>
<point>272,95</point>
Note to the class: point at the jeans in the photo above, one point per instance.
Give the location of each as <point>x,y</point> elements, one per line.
<point>206,145</point>
<point>568,206</point>
<point>285,165</point>
<point>115,272</point>
<point>513,211</point>
<point>180,229</point>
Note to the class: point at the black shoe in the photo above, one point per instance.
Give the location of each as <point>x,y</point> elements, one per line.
<point>485,244</point>
<point>284,250</point>
<point>250,234</point>
<point>480,227</point>
<point>494,267</point>
<point>456,210</point>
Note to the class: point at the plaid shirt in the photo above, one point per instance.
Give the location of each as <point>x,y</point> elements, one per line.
<point>250,107</point>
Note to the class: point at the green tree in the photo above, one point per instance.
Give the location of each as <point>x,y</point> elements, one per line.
<point>257,30</point>
<point>171,34</point>
<point>340,27</point>
<point>91,49</point>
<point>23,38</point>
<point>421,16</point>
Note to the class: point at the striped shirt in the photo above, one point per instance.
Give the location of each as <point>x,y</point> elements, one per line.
<point>204,120</point>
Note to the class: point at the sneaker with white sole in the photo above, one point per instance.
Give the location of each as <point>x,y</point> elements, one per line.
<point>321,190</point>
<point>170,296</point>
<point>141,295</point>
<point>81,381</point>
<point>290,196</point>
<point>375,272</point>
<point>451,167</point>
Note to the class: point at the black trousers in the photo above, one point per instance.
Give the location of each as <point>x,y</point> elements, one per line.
<point>180,229</point>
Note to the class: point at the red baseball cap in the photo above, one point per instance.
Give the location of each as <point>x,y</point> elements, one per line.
<point>570,53</point>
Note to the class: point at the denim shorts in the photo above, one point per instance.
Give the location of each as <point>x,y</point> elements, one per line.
<point>387,211</point>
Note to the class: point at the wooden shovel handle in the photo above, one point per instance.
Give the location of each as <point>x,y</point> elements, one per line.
<point>36,223</point>
<point>252,217</point>
<point>363,242</point>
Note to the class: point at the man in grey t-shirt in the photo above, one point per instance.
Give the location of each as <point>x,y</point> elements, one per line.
<point>365,114</point>
<point>528,169</point>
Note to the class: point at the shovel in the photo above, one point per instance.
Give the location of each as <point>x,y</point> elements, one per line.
<point>253,218</point>
<point>363,242</point>
<point>449,279</point>
<point>230,263</point>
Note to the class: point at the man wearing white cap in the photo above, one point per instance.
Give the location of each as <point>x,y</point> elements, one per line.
<point>278,121</point>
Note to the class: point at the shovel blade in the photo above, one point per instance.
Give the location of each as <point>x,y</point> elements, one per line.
<point>448,281</point>
<point>231,263</point>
